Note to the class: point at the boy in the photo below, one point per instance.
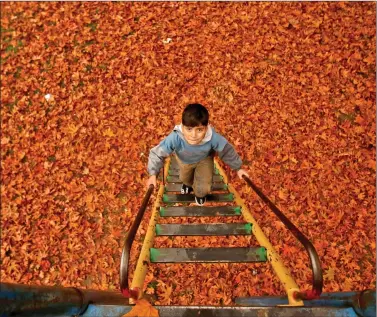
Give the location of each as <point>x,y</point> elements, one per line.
<point>194,143</point>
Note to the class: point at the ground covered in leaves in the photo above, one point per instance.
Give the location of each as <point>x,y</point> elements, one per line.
<point>88,88</point>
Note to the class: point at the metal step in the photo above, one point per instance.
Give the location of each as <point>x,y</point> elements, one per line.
<point>29,300</point>
<point>173,187</point>
<point>190,198</point>
<point>197,211</point>
<point>173,164</point>
<point>213,229</point>
<point>208,255</point>
<point>100,310</point>
<point>175,179</point>
<point>333,299</point>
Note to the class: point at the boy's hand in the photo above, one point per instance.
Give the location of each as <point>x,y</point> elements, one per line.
<point>152,181</point>
<point>242,172</point>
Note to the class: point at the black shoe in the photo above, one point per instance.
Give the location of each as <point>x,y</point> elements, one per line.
<point>200,200</point>
<point>186,189</point>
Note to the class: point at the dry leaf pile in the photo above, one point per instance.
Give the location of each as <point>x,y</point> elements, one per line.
<point>89,88</point>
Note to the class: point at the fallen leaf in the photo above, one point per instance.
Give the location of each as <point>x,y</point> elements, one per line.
<point>330,274</point>
<point>142,308</point>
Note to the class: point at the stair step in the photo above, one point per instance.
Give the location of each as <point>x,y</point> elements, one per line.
<point>214,229</point>
<point>190,198</point>
<point>175,179</point>
<point>208,255</point>
<point>174,187</point>
<point>198,211</point>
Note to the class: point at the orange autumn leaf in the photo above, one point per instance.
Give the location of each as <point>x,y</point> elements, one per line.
<point>165,292</point>
<point>372,164</point>
<point>283,195</point>
<point>329,274</point>
<point>142,308</point>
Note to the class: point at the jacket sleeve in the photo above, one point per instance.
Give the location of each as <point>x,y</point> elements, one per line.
<point>158,154</point>
<point>230,157</point>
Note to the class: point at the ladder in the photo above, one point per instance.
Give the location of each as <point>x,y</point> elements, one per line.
<point>264,252</point>
<point>261,253</point>
<point>202,255</point>
<point>29,300</point>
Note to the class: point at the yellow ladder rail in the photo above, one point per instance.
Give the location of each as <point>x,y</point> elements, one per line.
<point>144,257</point>
<point>281,271</point>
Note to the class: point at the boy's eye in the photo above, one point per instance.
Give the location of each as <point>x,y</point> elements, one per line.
<point>200,130</point>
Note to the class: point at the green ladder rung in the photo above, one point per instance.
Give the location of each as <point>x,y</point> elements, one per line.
<point>208,255</point>
<point>213,229</point>
<point>187,198</point>
<point>174,187</point>
<point>200,211</point>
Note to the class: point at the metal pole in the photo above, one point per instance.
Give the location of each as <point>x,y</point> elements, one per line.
<point>317,282</point>
<point>16,298</point>
<point>49,300</point>
<point>128,245</point>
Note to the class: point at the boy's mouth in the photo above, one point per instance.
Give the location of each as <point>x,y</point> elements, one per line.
<point>193,141</point>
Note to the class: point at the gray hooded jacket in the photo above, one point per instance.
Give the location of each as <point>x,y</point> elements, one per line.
<point>189,154</point>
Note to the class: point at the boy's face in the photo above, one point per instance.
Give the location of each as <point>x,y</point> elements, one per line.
<point>194,135</point>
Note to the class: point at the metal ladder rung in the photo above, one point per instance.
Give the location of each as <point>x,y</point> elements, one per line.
<point>200,211</point>
<point>213,229</point>
<point>208,255</point>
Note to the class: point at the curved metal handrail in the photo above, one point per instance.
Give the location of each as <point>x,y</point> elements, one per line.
<point>126,291</point>
<point>313,256</point>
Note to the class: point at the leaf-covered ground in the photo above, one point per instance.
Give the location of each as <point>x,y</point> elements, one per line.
<point>291,85</point>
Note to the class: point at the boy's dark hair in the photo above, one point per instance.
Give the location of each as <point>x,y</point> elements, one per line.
<point>195,115</point>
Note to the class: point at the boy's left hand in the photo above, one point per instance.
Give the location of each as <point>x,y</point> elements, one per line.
<point>242,172</point>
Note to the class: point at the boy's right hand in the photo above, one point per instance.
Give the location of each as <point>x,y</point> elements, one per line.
<point>152,180</point>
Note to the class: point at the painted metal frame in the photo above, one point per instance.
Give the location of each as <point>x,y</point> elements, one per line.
<point>281,271</point>
<point>128,245</point>
<point>28,300</point>
<point>317,282</point>
<point>144,257</point>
